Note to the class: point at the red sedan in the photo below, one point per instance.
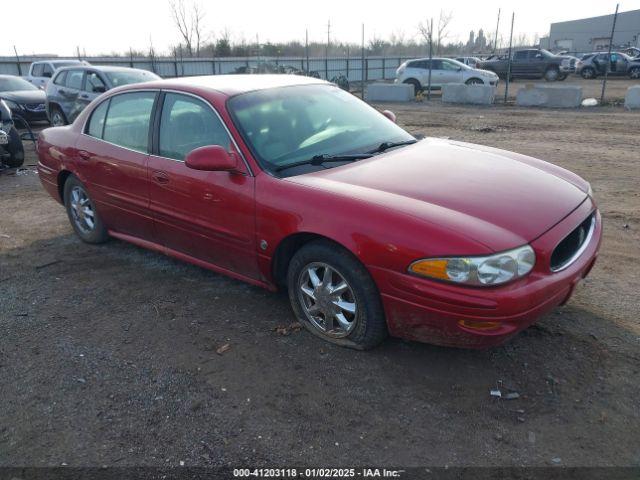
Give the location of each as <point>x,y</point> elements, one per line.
<point>290,182</point>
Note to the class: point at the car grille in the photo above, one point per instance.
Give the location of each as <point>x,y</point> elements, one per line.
<point>572,246</point>
<point>35,107</point>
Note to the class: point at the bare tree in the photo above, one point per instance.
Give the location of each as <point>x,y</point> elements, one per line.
<point>188,19</point>
<point>441,30</point>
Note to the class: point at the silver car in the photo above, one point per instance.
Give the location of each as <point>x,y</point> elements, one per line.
<point>443,71</point>
<point>72,88</point>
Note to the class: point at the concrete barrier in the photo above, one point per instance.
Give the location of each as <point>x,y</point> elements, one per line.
<point>389,92</point>
<point>462,93</point>
<point>632,98</point>
<point>552,96</point>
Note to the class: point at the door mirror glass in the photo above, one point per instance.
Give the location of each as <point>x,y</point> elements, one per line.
<point>212,158</point>
<point>99,89</point>
<point>390,115</point>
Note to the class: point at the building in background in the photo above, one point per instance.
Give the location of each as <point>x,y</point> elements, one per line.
<point>592,34</point>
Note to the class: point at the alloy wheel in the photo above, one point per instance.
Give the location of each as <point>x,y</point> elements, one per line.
<point>327,300</point>
<point>57,120</point>
<point>82,210</point>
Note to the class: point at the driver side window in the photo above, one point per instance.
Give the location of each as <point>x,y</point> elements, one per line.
<point>94,83</point>
<point>187,123</point>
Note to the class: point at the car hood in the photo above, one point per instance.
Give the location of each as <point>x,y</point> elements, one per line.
<point>498,198</point>
<point>24,96</point>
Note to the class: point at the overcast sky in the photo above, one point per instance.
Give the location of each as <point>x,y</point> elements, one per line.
<point>59,26</point>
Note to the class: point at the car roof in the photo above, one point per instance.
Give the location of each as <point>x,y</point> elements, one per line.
<point>101,68</point>
<point>234,84</point>
<point>62,60</point>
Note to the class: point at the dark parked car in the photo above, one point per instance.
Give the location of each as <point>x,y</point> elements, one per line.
<point>73,88</point>
<point>23,98</point>
<point>289,182</point>
<point>595,64</point>
<point>531,63</point>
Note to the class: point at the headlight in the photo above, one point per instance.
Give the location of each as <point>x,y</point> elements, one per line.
<point>479,271</point>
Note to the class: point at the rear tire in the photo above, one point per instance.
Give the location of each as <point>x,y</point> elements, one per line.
<point>634,73</point>
<point>82,213</point>
<point>416,85</point>
<point>57,117</point>
<point>334,297</point>
<point>552,74</point>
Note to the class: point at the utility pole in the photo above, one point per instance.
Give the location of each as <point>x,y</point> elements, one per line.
<point>15,50</point>
<point>430,58</point>
<point>306,47</point>
<point>606,72</point>
<point>362,65</point>
<point>328,36</point>
<point>495,41</point>
<point>506,88</point>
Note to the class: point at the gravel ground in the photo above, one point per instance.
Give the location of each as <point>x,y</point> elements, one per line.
<point>108,353</point>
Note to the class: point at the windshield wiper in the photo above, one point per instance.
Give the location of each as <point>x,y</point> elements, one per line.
<point>320,159</point>
<point>387,145</point>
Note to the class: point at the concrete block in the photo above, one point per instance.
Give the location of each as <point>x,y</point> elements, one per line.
<point>389,92</point>
<point>475,94</point>
<point>552,96</point>
<point>632,98</point>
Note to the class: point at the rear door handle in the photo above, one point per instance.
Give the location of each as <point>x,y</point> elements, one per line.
<point>84,96</point>
<point>160,177</point>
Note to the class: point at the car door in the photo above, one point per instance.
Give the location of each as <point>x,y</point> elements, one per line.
<point>112,161</point>
<point>93,86</point>
<point>69,92</point>
<point>206,215</point>
<point>437,73</point>
<point>519,64</point>
<point>537,64</point>
<point>451,72</point>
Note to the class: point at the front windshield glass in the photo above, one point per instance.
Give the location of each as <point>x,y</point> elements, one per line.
<point>125,77</point>
<point>9,84</point>
<point>287,125</point>
<point>458,63</point>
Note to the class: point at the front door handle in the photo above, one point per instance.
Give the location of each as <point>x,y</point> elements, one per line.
<point>160,177</point>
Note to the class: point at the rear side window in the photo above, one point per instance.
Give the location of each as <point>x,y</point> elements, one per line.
<point>128,118</point>
<point>74,79</point>
<point>521,55</point>
<point>47,71</point>
<point>37,69</point>
<point>187,123</point>
<point>60,78</point>
<point>96,122</point>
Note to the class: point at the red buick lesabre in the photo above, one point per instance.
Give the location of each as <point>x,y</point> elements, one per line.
<point>289,182</point>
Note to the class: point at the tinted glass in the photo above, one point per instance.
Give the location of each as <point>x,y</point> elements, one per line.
<point>74,79</point>
<point>47,71</point>
<point>37,69</point>
<point>96,123</point>
<point>128,119</point>
<point>521,55</point>
<point>452,65</point>
<point>436,65</point>
<point>15,84</point>
<point>126,77</point>
<point>60,78</point>
<point>291,124</point>
<point>186,124</point>
<point>94,83</point>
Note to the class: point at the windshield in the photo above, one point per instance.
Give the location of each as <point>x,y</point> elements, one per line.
<point>546,53</point>
<point>458,63</point>
<point>287,125</point>
<point>15,84</point>
<point>125,77</point>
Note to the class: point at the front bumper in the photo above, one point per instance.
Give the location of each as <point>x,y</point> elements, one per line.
<point>440,313</point>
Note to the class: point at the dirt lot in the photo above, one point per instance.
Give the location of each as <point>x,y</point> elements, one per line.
<point>108,353</point>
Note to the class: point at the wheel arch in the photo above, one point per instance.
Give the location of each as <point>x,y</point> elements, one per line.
<point>287,248</point>
<point>63,176</point>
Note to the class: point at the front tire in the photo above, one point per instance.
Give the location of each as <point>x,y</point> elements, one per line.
<point>588,73</point>
<point>634,73</point>
<point>57,117</point>
<point>334,297</point>
<point>82,213</point>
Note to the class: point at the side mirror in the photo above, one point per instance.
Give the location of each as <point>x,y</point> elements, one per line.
<point>212,158</point>
<point>390,115</point>
<point>47,74</point>
<point>99,89</point>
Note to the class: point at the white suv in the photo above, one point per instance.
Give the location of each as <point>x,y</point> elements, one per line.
<point>41,72</point>
<point>443,70</point>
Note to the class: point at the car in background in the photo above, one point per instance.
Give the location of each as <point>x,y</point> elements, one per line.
<point>23,98</point>
<point>531,63</point>
<point>469,61</point>
<point>41,72</point>
<point>73,88</point>
<point>443,71</point>
<point>595,64</point>
<point>633,52</point>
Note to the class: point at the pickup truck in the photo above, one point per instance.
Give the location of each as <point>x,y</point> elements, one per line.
<point>531,63</point>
